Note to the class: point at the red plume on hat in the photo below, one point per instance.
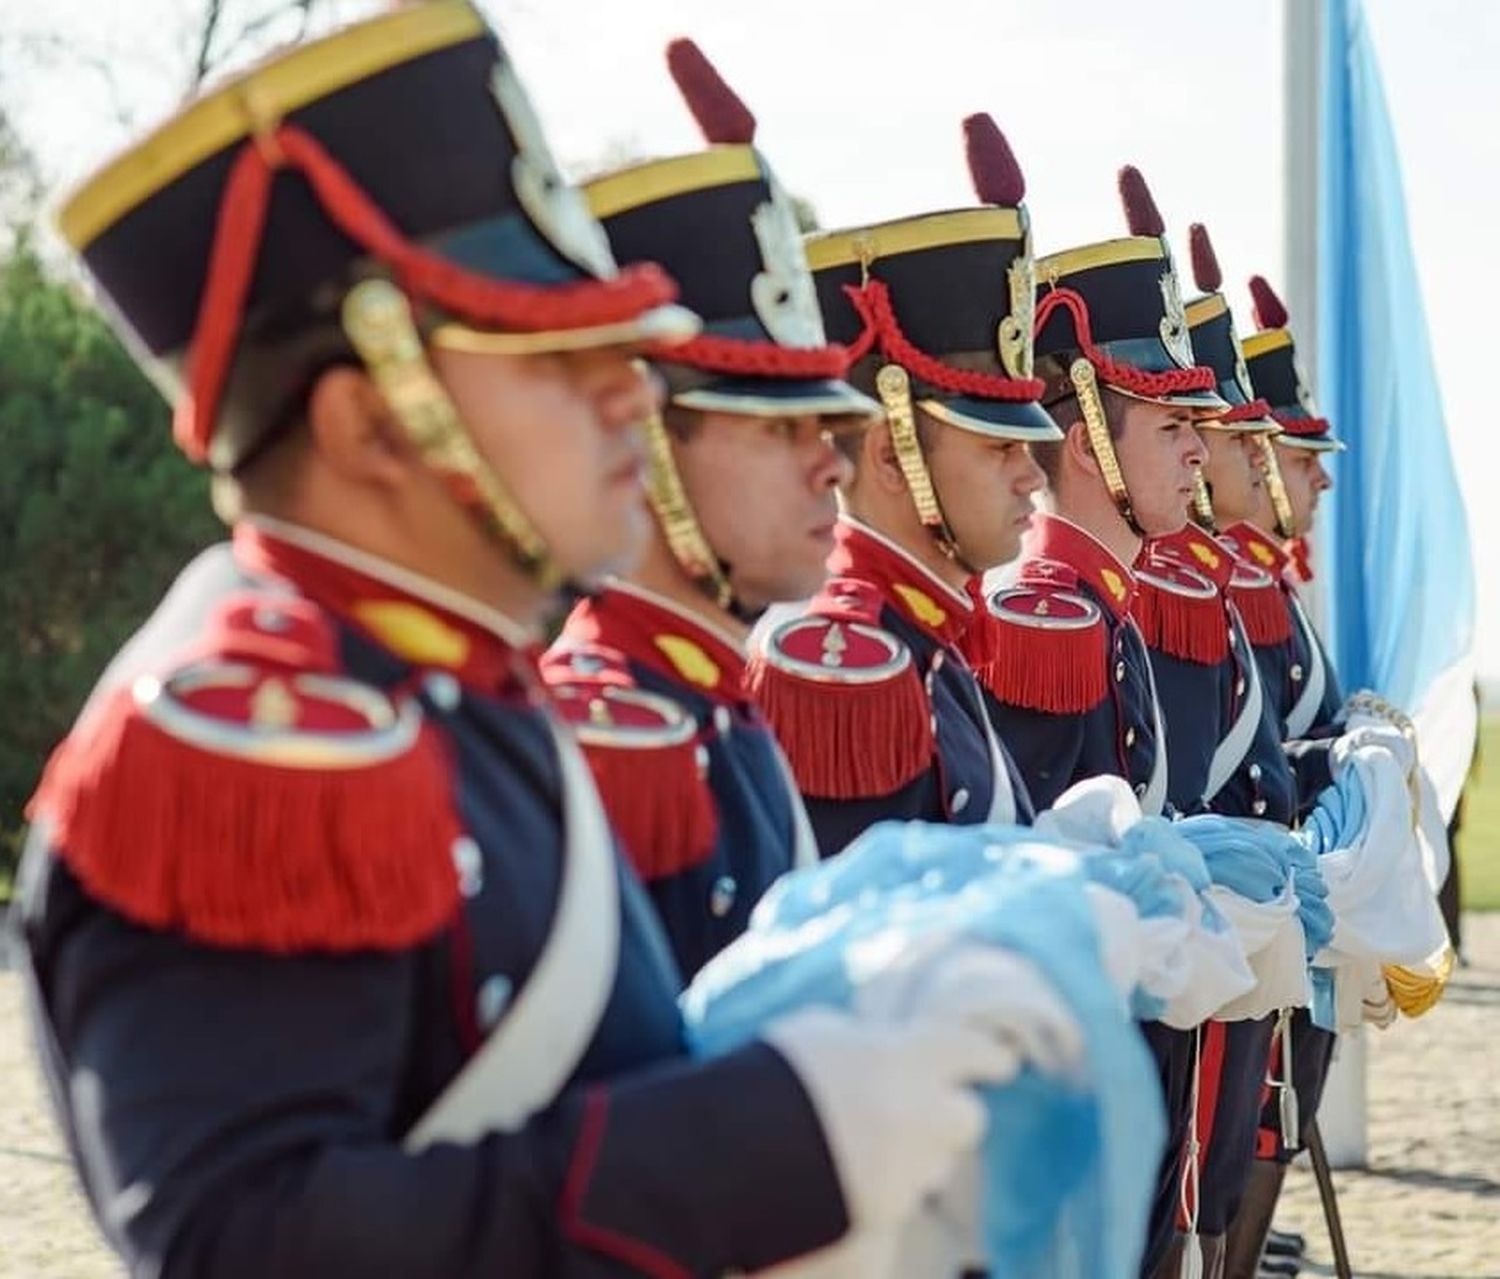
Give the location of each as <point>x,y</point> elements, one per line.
<point>1206,273</point>
<point>1269,310</point>
<point>1141,214</point>
<point>720,114</point>
<point>993,169</point>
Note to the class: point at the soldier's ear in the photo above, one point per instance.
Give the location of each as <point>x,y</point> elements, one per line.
<point>879,459</point>
<point>1078,451</point>
<point>354,431</point>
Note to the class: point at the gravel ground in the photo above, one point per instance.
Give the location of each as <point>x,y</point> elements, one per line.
<point>1428,1206</point>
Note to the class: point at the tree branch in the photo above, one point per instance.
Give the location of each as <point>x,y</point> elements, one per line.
<point>213,11</point>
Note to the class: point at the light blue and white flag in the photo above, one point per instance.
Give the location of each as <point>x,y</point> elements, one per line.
<point>1398,566</point>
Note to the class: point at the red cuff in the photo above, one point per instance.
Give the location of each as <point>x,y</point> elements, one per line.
<point>640,1256</point>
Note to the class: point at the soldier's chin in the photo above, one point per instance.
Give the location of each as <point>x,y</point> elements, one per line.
<point>1165,520</point>
<point>1010,547</point>
<point>794,578</point>
<point>619,555</point>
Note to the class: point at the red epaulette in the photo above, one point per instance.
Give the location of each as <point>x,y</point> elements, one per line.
<point>1262,605</point>
<point>844,698</point>
<point>1256,587</point>
<point>647,760</point>
<point>1179,605</point>
<point>1047,645</point>
<point>254,797</point>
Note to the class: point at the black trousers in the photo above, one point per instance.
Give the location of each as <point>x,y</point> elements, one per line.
<point>1173,1053</point>
<point>1312,1055</point>
<point>1235,1057</point>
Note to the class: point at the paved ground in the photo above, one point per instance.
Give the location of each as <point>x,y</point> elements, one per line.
<point>1428,1207</point>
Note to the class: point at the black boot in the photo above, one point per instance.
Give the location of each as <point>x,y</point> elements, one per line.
<point>1285,1243</point>
<point>1251,1224</point>
<point>1213,1256</point>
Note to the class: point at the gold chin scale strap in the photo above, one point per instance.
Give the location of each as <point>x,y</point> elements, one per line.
<point>679,522</point>
<point>378,321</point>
<point>1086,388</point>
<point>1203,504</point>
<point>1281,504</point>
<point>893,385</point>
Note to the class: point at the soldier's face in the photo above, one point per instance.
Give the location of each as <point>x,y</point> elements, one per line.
<point>1159,451</point>
<point>986,487</point>
<point>1233,472</point>
<point>563,433</point>
<point>764,490</point>
<point>1306,481</point>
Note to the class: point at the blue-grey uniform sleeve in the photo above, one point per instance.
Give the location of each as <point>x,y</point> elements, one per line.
<point>238,1115</point>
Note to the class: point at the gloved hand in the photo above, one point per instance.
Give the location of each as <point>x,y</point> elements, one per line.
<point>1362,731</point>
<point>982,987</point>
<point>1379,1006</point>
<point>1098,810</point>
<point>896,1102</point>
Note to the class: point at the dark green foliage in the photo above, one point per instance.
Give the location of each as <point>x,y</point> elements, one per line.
<point>97,513</point>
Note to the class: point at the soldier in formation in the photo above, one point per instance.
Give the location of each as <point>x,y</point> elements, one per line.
<point>354,924</point>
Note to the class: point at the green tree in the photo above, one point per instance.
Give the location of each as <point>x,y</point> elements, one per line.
<point>97,513</point>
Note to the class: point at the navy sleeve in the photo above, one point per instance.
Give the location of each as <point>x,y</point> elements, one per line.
<point>1193,698</point>
<point>1025,807</point>
<point>838,822</point>
<point>1047,750</point>
<point>1312,766</point>
<point>238,1115</point>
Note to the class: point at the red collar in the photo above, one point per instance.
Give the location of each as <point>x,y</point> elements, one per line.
<point>1192,547</point>
<point>1051,537</point>
<point>909,587</point>
<point>1254,547</point>
<point>1299,560</point>
<point>397,609</point>
<point>645,628</point>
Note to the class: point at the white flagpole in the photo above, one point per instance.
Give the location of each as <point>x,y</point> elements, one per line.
<point>1342,1116</point>
<point>1301,38</point>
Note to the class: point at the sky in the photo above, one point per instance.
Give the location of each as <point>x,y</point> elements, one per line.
<point>859,108</point>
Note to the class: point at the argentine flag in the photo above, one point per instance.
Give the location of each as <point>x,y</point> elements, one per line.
<point>1398,566</point>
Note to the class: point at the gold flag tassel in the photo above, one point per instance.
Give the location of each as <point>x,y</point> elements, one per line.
<point>1417,990</point>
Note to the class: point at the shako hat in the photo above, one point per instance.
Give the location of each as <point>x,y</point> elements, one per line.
<point>721,224</point>
<point>402,148</point>
<point>1117,304</point>
<point>1271,358</point>
<point>946,297</point>
<point>1215,343</point>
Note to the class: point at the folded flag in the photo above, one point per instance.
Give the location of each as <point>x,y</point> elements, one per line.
<point>1065,1170</point>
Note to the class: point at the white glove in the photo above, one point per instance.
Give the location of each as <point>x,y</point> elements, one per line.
<point>1361,996</point>
<point>1363,731</point>
<point>982,987</point>
<point>1218,972</point>
<point>896,1103</point>
<point>1273,941</point>
<point>1098,810</point>
<point>1379,1007</point>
